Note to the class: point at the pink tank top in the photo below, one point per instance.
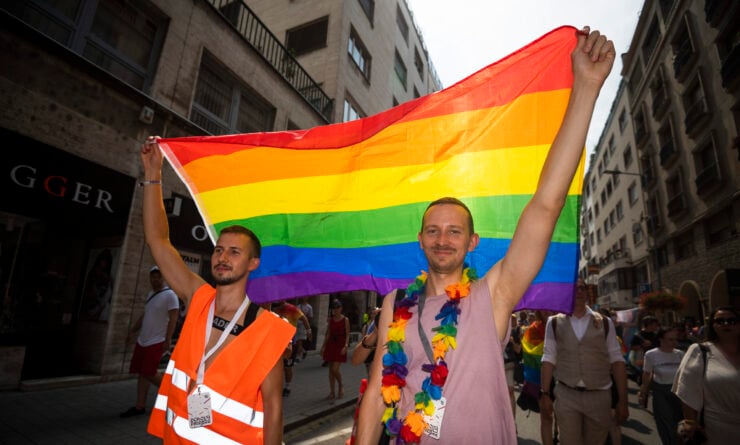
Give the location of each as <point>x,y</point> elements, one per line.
<point>478,409</point>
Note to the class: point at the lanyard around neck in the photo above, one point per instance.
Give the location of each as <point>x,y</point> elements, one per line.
<point>422,335</point>
<point>222,338</point>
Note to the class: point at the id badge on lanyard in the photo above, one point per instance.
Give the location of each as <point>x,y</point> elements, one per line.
<point>200,413</point>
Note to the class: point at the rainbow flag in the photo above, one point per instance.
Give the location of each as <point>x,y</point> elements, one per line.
<point>339,207</point>
<point>533,345</point>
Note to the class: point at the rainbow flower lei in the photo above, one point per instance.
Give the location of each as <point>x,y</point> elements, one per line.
<point>410,429</point>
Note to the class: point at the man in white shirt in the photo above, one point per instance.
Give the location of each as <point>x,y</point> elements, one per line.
<point>155,326</point>
<point>583,352</point>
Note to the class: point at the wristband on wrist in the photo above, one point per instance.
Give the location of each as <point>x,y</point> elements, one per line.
<point>150,182</point>
<point>365,345</point>
<point>545,393</point>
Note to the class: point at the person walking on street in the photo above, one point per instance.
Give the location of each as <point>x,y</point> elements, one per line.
<point>223,382</point>
<point>303,339</point>
<point>155,327</point>
<point>296,318</point>
<point>658,373</point>
<point>411,378</point>
<point>582,352</point>
<point>334,349</point>
<point>708,382</point>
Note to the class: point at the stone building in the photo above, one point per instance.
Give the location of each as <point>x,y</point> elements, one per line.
<point>368,55</point>
<point>82,83</point>
<point>682,90</point>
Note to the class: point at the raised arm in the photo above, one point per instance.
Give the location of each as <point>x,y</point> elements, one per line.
<point>156,230</point>
<point>592,61</point>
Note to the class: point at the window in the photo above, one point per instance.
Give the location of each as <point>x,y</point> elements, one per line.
<point>719,227</point>
<point>123,38</point>
<point>222,105</point>
<point>665,9</point>
<point>400,69</point>
<point>637,235</point>
<point>667,145</point>
<point>623,244</point>
<point>351,110</point>
<point>619,210</point>
<point>683,50</point>
<point>603,197</point>
<point>359,54</point>
<point>416,92</point>
<point>707,166</point>
<point>632,194</point>
<point>596,210</point>
<point>612,145</point>
<point>627,157</point>
<point>307,37</point>
<point>660,95</point>
<point>683,245</point>
<point>606,226</point>
<point>403,26</point>
<point>368,6</point>
<point>674,190</point>
<point>612,218</point>
<point>640,128</point>
<point>598,235</point>
<point>395,101</point>
<point>622,121</point>
<point>662,253</point>
<point>695,104</point>
<point>609,188</point>
<point>419,63</point>
<point>651,40</point>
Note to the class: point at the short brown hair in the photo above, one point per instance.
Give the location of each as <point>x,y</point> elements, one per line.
<point>453,201</point>
<point>256,245</point>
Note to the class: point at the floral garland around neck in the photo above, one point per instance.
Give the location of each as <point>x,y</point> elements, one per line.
<point>410,429</point>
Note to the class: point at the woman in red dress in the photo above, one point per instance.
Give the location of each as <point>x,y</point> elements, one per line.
<point>334,349</point>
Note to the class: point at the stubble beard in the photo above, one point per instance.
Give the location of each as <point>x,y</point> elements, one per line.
<point>225,281</point>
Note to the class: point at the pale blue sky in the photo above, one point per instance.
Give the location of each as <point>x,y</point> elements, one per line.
<point>464,36</point>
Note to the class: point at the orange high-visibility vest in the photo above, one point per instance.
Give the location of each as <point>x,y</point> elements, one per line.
<point>233,379</point>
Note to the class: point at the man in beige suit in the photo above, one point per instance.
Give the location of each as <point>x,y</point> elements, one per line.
<point>583,352</point>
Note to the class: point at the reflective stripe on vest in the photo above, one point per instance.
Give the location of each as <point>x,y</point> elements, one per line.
<point>181,427</point>
<point>219,403</point>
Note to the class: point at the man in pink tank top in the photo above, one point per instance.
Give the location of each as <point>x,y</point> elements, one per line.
<point>468,388</point>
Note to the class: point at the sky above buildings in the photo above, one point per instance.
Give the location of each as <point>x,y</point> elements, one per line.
<point>466,35</point>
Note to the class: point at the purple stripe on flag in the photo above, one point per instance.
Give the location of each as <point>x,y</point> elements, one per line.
<point>275,288</point>
<point>546,296</point>
<point>550,296</point>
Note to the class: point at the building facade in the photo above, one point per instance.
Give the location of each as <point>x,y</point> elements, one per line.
<point>614,245</point>
<point>682,89</point>
<point>82,84</point>
<point>368,55</point>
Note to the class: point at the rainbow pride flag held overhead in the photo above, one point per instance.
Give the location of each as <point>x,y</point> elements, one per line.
<point>339,207</point>
<point>533,346</point>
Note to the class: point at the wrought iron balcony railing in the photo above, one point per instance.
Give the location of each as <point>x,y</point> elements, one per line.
<point>251,28</point>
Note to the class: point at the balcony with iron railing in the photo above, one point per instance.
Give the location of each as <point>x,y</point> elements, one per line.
<point>660,103</point>
<point>267,45</point>
<point>676,205</point>
<point>667,152</point>
<point>731,69</point>
<point>707,179</point>
<point>684,55</point>
<point>696,114</point>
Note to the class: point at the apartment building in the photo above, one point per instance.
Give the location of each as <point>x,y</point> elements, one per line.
<point>82,83</point>
<point>368,55</point>
<point>682,103</point>
<point>614,245</point>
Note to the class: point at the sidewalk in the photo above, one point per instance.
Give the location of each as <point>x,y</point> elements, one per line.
<point>89,414</point>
